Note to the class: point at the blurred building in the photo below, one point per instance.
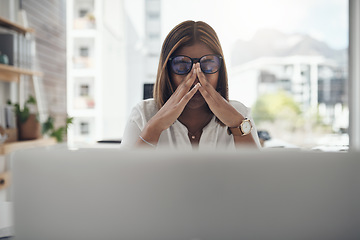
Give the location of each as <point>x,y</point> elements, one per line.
<point>96,69</point>
<point>316,83</point>
<point>312,72</point>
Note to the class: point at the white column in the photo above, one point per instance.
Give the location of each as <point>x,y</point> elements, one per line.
<point>314,85</point>
<point>354,74</point>
<point>98,124</point>
<point>296,87</point>
<point>69,68</point>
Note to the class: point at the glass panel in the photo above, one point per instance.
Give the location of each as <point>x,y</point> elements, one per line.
<point>287,60</point>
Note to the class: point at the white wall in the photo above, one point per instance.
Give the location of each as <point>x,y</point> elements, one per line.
<point>114,80</point>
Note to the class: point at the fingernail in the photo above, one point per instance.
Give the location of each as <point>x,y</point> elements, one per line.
<point>199,84</point>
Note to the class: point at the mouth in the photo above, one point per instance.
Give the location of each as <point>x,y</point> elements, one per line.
<point>197,95</point>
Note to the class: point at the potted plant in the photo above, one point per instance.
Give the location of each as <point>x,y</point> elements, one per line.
<point>27,122</point>
<point>58,133</point>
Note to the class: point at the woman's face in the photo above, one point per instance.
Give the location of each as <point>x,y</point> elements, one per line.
<point>196,50</point>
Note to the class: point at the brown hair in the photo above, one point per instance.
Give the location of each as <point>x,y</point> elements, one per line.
<point>185,34</point>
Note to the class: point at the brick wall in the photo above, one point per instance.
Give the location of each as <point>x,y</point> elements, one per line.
<point>48,18</point>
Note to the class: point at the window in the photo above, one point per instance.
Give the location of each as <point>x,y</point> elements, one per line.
<point>84,90</point>
<point>83,12</point>
<point>274,52</point>
<point>84,128</point>
<point>84,51</point>
<point>148,90</point>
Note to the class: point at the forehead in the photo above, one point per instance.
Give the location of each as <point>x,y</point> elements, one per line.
<point>195,50</point>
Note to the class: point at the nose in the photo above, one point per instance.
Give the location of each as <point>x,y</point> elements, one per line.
<point>196,65</point>
<point>196,81</point>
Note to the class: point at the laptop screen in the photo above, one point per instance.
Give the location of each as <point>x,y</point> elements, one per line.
<point>117,194</point>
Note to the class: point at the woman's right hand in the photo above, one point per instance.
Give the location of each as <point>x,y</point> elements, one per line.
<point>171,110</point>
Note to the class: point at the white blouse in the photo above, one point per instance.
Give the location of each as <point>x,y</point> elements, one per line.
<point>176,136</point>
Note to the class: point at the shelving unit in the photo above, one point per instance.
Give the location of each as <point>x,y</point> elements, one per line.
<point>14,26</point>
<point>9,73</point>
<point>12,74</point>
<point>15,74</point>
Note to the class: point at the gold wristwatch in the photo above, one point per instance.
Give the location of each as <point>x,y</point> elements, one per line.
<point>242,130</point>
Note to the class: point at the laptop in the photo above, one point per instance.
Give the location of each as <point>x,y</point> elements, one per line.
<point>156,195</point>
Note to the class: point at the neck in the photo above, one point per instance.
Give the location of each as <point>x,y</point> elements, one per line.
<point>195,119</point>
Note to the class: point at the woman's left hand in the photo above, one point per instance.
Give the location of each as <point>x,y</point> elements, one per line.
<point>218,105</point>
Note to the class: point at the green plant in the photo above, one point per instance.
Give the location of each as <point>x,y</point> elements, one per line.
<point>270,107</point>
<point>23,114</point>
<point>59,133</point>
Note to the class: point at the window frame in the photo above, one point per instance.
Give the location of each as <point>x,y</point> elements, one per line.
<point>354,75</point>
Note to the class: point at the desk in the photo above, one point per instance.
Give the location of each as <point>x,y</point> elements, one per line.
<point>6,206</point>
<point>6,220</point>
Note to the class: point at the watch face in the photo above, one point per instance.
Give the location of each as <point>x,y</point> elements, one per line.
<point>246,127</point>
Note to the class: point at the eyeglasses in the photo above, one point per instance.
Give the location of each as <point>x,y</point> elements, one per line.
<point>209,64</point>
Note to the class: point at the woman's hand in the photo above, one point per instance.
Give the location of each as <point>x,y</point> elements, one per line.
<point>171,110</point>
<point>222,108</point>
<point>218,105</point>
<point>175,105</point>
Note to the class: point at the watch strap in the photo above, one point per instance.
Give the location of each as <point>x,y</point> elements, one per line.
<point>237,131</point>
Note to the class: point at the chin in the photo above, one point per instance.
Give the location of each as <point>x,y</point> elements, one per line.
<point>196,102</point>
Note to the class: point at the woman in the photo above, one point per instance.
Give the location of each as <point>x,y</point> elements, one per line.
<point>190,108</point>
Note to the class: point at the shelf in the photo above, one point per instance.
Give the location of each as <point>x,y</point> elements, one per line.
<point>14,26</point>
<point>13,146</point>
<point>4,182</point>
<point>12,74</point>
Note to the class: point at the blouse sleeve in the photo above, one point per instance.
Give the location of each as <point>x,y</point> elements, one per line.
<point>132,130</point>
<point>254,130</point>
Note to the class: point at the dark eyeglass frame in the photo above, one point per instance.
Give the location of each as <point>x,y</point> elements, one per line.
<point>195,60</point>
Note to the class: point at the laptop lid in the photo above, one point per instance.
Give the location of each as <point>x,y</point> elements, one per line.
<point>116,194</point>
